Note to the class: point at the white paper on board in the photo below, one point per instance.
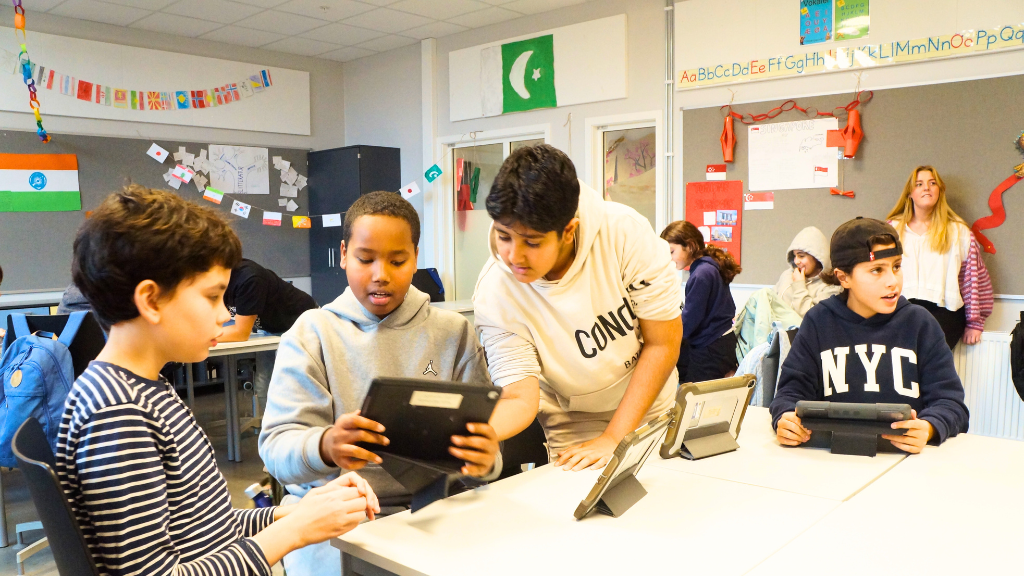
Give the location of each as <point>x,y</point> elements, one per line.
<point>706,232</point>
<point>292,206</point>
<point>709,218</point>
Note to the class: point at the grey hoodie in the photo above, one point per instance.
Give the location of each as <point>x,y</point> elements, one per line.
<point>324,367</point>
<point>802,296</point>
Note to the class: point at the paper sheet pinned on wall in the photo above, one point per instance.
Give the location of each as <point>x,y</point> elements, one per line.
<point>706,232</point>
<point>289,191</point>
<point>292,206</point>
<point>240,209</point>
<point>300,182</point>
<point>289,175</point>
<point>157,153</point>
<point>284,165</point>
<point>709,219</point>
<point>282,202</point>
<point>180,154</point>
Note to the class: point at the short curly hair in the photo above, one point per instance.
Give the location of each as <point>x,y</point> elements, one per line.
<point>383,204</point>
<point>142,234</point>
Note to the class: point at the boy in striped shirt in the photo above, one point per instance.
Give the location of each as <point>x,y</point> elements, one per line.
<point>139,473</point>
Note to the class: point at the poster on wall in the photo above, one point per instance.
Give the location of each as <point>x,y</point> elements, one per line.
<point>239,169</point>
<point>792,155</point>
<point>629,170</point>
<point>852,19</point>
<point>815,21</point>
<point>716,209</point>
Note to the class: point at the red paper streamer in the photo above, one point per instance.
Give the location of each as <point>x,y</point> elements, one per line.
<point>998,216</point>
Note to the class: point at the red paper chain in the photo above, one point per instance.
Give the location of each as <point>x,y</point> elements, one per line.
<point>861,98</point>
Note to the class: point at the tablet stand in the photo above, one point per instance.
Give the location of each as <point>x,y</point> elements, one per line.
<point>621,497</point>
<point>427,483</point>
<point>709,440</point>
<point>854,437</point>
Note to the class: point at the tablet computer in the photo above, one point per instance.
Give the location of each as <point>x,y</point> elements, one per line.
<point>617,488</point>
<point>707,416</point>
<point>420,416</point>
<point>851,428</point>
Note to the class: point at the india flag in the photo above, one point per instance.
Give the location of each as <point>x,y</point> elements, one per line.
<point>213,195</point>
<point>39,183</point>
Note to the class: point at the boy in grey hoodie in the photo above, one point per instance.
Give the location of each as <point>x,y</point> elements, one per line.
<point>380,326</point>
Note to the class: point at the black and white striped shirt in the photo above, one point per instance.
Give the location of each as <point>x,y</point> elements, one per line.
<point>142,479</point>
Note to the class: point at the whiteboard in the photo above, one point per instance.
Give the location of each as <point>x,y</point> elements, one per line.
<point>282,108</point>
<point>792,155</point>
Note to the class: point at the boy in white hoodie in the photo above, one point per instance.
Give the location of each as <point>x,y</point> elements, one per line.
<point>577,308</point>
<point>380,326</point>
<point>801,285</point>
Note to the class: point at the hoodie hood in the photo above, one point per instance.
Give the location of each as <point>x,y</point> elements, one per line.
<point>592,215</point>
<point>412,311</point>
<point>837,305</point>
<point>812,241</point>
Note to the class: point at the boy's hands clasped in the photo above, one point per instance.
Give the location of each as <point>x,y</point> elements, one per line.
<point>477,449</point>
<point>791,432</point>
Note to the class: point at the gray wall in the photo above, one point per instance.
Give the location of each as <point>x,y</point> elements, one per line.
<point>326,88</point>
<point>36,247</point>
<point>964,129</point>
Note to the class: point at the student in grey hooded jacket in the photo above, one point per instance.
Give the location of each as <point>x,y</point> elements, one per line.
<point>381,326</point>
<point>801,285</point>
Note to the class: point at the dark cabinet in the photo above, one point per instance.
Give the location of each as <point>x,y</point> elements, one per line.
<point>337,177</point>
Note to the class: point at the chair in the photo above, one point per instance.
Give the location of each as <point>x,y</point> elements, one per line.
<point>524,450</point>
<point>428,281</point>
<point>84,349</point>
<point>771,365</point>
<point>70,552</point>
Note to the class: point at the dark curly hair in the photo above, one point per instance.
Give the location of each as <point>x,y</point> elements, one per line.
<point>142,234</point>
<point>688,236</point>
<point>383,204</point>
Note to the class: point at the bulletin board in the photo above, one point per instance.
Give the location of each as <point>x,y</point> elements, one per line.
<point>716,209</point>
<point>965,129</point>
<point>36,247</point>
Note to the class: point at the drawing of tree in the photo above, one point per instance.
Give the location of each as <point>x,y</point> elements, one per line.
<point>641,156</point>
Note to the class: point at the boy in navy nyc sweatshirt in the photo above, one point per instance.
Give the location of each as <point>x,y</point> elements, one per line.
<point>870,345</point>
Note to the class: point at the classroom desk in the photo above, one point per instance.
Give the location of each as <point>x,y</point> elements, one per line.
<point>687,523</point>
<point>762,461</point>
<point>953,509</point>
<point>231,350</point>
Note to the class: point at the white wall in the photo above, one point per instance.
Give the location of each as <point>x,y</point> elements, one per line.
<point>325,76</point>
<point>383,108</point>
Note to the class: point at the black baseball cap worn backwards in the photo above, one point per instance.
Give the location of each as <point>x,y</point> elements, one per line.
<point>851,242</point>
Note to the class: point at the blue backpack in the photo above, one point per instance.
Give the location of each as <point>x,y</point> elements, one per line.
<point>37,374</point>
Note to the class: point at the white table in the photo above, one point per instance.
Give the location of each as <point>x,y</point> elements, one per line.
<point>232,350</point>
<point>762,461</point>
<point>524,525</point>
<point>953,509</point>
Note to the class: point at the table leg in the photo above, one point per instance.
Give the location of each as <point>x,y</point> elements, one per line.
<point>227,421</point>
<point>236,428</point>
<point>190,386</point>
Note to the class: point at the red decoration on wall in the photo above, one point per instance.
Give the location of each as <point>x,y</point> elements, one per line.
<point>838,192</point>
<point>728,140</point>
<point>723,200</point>
<point>998,216</point>
<point>852,134</point>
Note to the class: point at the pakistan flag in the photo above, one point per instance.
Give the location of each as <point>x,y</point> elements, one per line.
<point>518,76</point>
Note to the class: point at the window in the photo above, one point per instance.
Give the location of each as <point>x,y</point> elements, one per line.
<point>474,168</point>
<point>629,174</point>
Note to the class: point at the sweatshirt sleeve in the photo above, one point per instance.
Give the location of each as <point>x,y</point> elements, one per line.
<point>254,520</point>
<point>798,375</point>
<point>511,357</point>
<point>940,386</point>
<point>136,533</point>
<point>975,287</point>
<point>698,291</point>
<point>300,408</point>
<point>648,272</point>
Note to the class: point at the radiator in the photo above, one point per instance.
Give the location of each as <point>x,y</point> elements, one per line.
<point>984,368</point>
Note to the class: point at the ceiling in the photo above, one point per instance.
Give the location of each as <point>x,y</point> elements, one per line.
<point>340,30</point>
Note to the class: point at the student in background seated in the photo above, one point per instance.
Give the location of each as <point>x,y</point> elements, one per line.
<point>380,326</point>
<point>801,285</point>
<point>944,270</point>
<point>709,345</point>
<point>138,472</point>
<point>258,299</point>
<point>868,344</point>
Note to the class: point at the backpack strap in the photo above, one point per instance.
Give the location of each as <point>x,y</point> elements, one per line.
<point>20,325</point>
<point>71,328</point>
